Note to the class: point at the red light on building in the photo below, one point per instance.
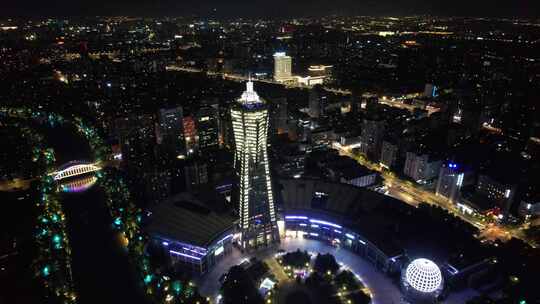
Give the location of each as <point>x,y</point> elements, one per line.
<point>190,134</point>
<point>190,131</point>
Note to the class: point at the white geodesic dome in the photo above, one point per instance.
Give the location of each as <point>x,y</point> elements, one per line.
<point>423,275</point>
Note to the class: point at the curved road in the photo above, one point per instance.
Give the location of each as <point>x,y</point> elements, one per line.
<point>382,288</point>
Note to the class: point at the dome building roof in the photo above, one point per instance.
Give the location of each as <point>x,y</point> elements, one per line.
<point>422,282</point>
<point>423,275</point>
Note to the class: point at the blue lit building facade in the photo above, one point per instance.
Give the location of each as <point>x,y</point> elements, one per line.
<point>190,232</point>
<point>312,227</point>
<point>200,259</point>
<point>324,211</point>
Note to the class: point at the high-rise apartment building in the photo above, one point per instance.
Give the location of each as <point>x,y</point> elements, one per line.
<point>171,130</point>
<point>318,99</point>
<point>136,136</point>
<point>421,167</point>
<point>257,211</point>
<point>196,173</point>
<point>373,131</point>
<point>452,177</point>
<point>278,115</point>
<point>389,153</point>
<point>207,121</point>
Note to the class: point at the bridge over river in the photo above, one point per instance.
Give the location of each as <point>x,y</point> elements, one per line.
<point>101,269</point>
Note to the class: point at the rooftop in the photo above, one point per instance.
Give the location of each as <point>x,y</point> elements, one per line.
<point>193,218</point>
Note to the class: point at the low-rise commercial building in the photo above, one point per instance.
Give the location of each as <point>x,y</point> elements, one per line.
<point>194,229</point>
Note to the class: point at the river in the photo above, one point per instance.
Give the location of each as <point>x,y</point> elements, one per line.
<point>100,266</point>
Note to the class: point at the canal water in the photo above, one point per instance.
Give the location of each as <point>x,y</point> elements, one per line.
<point>100,266</point>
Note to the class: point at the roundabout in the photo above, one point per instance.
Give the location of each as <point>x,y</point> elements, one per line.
<point>381,288</point>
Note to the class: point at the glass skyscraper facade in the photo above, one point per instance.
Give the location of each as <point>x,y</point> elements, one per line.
<point>257,211</point>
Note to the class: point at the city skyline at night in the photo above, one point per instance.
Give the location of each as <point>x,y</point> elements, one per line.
<point>251,152</point>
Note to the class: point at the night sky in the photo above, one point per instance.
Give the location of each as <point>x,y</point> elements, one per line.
<point>269,8</point>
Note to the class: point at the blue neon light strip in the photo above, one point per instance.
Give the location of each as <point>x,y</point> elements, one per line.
<point>352,237</point>
<point>223,186</point>
<point>194,251</point>
<point>227,237</point>
<point>296,217</point>
<point>325,223</point>
<point>314,221</point>
<point>452,269</point>
<point>337,231</point>
<point>185,255</point>
<point>201,250</point>
<point>393,259</point>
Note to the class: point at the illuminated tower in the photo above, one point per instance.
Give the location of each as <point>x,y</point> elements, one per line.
<point>282,67</point>
<point>257,213</point>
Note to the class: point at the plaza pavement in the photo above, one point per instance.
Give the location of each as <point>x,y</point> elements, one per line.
<point>383,290</point>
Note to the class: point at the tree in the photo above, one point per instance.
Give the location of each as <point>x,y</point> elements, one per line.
<point>347,279</point>
<point>314,280</point>
<point>326,263</point>
<point>297,259</point>
<point>257,269</point>
<point>239,288</point>
<point>359,298</point>
<point>322,285</point>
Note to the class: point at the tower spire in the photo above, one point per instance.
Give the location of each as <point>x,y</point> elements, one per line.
<point>249,86</point>
<point>249,96</point>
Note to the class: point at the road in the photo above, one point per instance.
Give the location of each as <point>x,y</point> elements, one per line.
<point>276,269</point>
<point>16,184</point>
<point>414,195</point>
<point>239,78</point>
